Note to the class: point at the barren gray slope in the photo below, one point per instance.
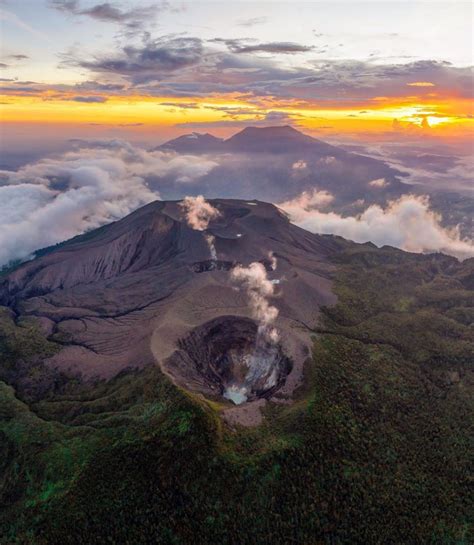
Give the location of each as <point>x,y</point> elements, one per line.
<point>124,295</point>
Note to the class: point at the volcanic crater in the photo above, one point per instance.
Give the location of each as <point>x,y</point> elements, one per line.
<point>227,357</point>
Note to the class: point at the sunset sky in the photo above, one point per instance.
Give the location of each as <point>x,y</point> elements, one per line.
<point>163,68</point>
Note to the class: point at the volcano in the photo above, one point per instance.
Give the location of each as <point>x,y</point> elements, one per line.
<point>278,139</point>
<point>278,163</point>
<point>171,368</point>
<point>147,290</point>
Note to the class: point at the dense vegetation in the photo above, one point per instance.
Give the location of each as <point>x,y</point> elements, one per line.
<point>374,450</point>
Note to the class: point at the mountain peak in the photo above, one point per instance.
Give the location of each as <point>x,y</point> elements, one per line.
<point>193,142</point>
<point>280,138</point>
<point>275,129</point>
<point>273,139</point>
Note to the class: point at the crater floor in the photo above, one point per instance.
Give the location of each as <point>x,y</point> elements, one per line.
<point>228,357</point>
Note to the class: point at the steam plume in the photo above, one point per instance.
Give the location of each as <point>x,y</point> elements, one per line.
<point>259,289</point>
<point>260,364</point>
<point>210,239</point>
<point>198,212</point>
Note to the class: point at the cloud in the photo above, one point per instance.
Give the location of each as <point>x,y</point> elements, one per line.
<point>299,165</point>
<point>421,84</point>
<point>253,21</point>
<point>57,198</point>
<point>198,212</point>
<point>267,120</point>
<point>98,86</point>
<point>243,46</point>
<point>88,99</point>
<point>307,201</point>
<point>18,57</point>
<point>182,105</point>
<point>407,223</point>
<point>327,160</point>
<point>67,6</point>
<point>380,182</point>
<point>13,89</point>
<point>148,62</point>
<point>186,66</point>
<point>429,162</point>
<point>109,12</point>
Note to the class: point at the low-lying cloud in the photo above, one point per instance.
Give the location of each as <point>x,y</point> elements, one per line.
<point>379,182</point>
<point>308,200</point>
<point>407,223</point>
<point>54,199</point>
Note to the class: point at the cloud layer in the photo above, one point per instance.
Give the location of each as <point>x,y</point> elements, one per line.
<point>55,199</point>
<point>406,223</point>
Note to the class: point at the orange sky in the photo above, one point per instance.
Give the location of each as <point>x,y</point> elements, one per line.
<point>368,69</point>
<point>444,115</point>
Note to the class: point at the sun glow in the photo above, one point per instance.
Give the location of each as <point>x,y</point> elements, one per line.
<point>230,110</point>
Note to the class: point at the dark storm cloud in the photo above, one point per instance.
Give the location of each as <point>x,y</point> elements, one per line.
<point>243,46</point>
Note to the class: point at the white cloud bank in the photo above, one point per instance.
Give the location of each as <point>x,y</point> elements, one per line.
<point>57,198</point>
<point>406,223</point>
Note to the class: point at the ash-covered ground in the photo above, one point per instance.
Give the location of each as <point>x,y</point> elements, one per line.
<point>222,295</point>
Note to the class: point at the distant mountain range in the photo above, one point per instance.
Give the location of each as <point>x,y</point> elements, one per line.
<point>279,139</point>
<point>297,162</point>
